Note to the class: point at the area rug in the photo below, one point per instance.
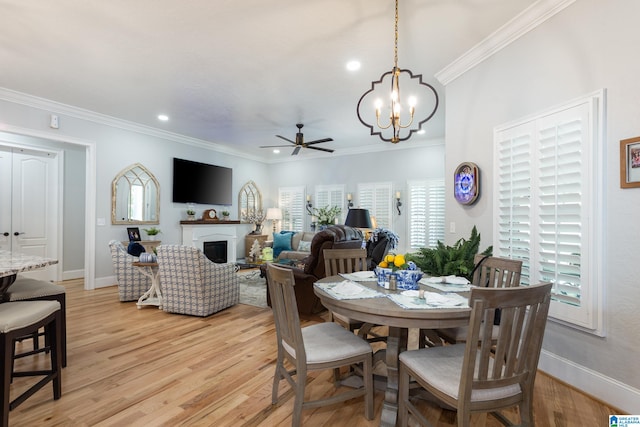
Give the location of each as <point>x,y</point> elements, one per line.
<point>253,288</point>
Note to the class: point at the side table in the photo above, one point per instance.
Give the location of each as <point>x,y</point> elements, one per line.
<point>154,295</point>
<point>250,238</point>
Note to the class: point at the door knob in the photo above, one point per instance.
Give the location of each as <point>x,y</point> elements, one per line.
<point>17,233</point>
<point>5,234</point>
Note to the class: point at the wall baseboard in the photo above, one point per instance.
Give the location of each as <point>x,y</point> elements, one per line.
<point>103,282</point>
<point>609,390</point>
<point>72,274</point>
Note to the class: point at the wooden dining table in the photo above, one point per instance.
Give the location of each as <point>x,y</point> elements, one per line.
<point>384,311</point>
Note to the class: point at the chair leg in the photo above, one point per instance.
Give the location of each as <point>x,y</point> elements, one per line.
<point>403,396</point>
<point>6,346</point>
<point>368,386</point>
<point>276,379</point>
<point>301,381</point>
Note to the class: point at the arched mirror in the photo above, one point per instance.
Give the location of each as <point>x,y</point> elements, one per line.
<point>249,199</point>
<point>135,197</point>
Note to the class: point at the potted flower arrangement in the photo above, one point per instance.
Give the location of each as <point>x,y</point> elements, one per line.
<point>406,272</point>
<point>327,215</point>
<point>255,217</point>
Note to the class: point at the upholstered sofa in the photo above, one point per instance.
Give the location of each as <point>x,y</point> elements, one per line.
<point>131,282</point>
<point>333,237</point>
<point>192,284</point>
<point>297,248</point>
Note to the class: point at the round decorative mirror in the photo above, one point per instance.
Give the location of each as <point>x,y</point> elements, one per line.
<point>249,199</point>
<point>135,197</point>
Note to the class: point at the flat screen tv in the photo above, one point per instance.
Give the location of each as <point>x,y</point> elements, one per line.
<point>201,183</point>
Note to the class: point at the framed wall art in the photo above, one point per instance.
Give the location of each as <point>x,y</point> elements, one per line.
<point>630,163</point>
<point>466,182</point>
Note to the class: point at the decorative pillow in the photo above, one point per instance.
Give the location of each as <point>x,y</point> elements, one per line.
<point>281,242</point>
<point>304,246</point>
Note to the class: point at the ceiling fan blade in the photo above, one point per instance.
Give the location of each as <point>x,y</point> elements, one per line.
<point>286,139</point>
<point>320,149</point>
<point>296,150</point>
<point>318,141</point>
<point>273,146</point>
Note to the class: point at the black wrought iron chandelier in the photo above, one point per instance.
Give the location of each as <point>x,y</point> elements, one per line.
<point>401,125</point>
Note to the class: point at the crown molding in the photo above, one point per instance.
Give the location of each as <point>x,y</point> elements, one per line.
<point>103,119</point>
<point>526,21</point>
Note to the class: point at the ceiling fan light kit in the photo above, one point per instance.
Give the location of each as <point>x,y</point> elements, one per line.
<point>300,143</point>
<point>395,122</point>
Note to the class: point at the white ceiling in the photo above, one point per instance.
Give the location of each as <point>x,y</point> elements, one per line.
<point>236,72</point>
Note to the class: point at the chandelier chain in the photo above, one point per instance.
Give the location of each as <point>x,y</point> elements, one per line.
<point>395,49</point>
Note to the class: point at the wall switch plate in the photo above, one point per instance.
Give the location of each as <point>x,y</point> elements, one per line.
<point>54,123</point>
<point>101,221</point>
<point>452,227</point>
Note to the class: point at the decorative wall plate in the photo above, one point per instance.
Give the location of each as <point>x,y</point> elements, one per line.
<point>466,183</point>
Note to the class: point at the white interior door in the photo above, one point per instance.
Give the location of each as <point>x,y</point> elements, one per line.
<point>34,207</point>
<point>5,198</point>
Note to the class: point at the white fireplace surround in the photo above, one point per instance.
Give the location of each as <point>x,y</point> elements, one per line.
<point>196,234</point>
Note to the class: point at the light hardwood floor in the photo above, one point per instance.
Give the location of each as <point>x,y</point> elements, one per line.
<point>150,368</point>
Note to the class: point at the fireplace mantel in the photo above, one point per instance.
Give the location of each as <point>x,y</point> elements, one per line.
<point>195,233</point>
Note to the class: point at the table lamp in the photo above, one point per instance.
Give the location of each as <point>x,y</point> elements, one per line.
<point>274,214</point>
<point>358,218</point>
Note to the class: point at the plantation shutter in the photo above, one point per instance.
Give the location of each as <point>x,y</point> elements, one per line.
<point>547,175</point>
<point>376,197</point>
<point>426,213</point>
<point>291,202</point>
<point>329,196</point>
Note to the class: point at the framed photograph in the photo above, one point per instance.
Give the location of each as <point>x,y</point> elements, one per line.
<point>134,234</point>
<point>630,163</point>
<point>466,182</point>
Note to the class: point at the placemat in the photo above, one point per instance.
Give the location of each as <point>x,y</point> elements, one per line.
<point>348,290</point>
<point>410,300</point>
<point>361,276</point>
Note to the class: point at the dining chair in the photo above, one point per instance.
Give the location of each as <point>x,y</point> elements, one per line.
<point>483,375</point>
<point>489,272</point>
<point>316,347</point>
<point>340,261</point>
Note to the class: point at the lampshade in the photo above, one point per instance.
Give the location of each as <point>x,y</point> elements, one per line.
<point>274,213</point>
<point>358,218</point>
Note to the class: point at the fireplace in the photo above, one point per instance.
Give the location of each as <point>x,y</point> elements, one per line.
<point>216,251</point>
<point>196,234</point>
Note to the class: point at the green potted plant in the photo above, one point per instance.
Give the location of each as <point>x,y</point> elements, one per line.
<point>454,260</point>
<point>152,231</point>
<point>191,214</point>
<point>225,215</point>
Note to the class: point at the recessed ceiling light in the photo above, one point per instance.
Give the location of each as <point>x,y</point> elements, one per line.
<point>163,117</point>
<point>421,132</point>
<point>276,151</point>
<point>353,65</point>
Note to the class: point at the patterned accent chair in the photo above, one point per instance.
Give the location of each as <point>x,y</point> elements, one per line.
<point>131,282</point>
<point>192,284</point>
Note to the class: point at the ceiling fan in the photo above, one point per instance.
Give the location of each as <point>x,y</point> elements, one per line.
<point>299,142</point>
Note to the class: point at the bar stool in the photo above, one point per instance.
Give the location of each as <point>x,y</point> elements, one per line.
<point>24,318</point>
<point>25,289</point>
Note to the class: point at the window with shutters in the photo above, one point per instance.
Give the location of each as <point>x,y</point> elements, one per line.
<point>425,213</point>
<point>548,199</point>
<point>291,200</point>
<point>331,195</point>
<point>377,198</point>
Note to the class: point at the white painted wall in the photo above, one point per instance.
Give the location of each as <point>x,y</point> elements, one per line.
<point>590,45</point>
